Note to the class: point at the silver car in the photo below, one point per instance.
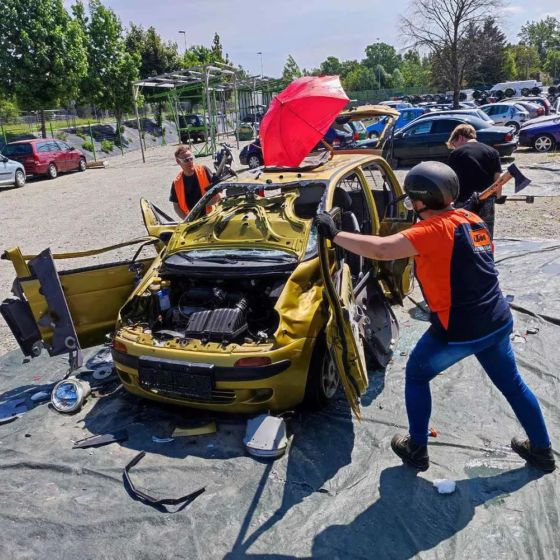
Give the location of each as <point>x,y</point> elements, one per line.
<point>11,172</point>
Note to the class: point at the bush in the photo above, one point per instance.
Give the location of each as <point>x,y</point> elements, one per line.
<point>107,146</point>
<point>81,134</point>
<point>61,135</point>
<point>87,145</point>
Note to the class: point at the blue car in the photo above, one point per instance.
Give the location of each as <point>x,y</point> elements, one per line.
<point>542,133</point>
<point>406,116</point>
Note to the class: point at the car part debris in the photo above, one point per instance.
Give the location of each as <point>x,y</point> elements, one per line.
<point>150,500</point>
<point>40,396</point>
<point>444,486</point>
<point>157,439</point>
<point>12,410</point>
<point>203,429</point>
<point>69,394</point>
<point>102,439</point>
<point>102,374</point>
<point>266,436</point>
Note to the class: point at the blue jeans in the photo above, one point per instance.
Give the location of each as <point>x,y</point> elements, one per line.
<point>432,355</point>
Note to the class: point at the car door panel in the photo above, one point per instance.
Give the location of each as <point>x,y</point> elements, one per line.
<point>414,143</point>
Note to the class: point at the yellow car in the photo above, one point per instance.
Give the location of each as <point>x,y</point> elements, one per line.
<point>244,309</point>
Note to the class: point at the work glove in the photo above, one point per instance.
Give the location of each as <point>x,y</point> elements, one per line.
<point>473,204</point>
<point>501,199</point>
<point>325,226</point>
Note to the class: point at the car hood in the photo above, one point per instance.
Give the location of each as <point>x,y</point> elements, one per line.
<point>253,222</point>
<point>539,121</point>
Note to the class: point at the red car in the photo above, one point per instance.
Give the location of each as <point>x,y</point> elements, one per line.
<point>45,156</point>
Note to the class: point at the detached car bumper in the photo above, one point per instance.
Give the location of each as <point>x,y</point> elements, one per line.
<point>211,381</point>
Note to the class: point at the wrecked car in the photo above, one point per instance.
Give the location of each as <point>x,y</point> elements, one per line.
<point>245,308</point>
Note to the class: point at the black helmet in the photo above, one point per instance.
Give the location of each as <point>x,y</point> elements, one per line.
<point>433,183</point>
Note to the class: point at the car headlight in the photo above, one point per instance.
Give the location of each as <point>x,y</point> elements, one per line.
<point>69,394</point>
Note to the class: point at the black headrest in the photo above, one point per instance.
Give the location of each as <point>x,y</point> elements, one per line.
<point>342,199</point>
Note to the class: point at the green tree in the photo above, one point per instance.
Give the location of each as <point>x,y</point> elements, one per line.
<point>510,67</point>
<point>291,70</point>
<point>331,67</point>
<point>415,71</point>
<point>384,55</point>
<point>552,63</point>
<point>156,56</point>
<point>527,60</point>
<point>360,78</point>
<point>42,54</point>
<point>544,35</point>
<point>112,70</point>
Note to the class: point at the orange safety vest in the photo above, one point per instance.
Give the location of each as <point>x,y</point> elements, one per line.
<point>179,186</point>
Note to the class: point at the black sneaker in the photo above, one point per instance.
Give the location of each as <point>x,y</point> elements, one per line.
<point>540,458</point>
<point>411,453</point>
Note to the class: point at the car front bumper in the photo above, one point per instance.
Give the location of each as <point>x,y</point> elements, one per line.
<point>248,390</point>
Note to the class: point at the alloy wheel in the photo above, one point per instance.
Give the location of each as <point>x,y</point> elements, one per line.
<point>52,171</point>
<point>254,162</point>
<point>19,178</point>
<point>329,377</point>
<point>543,144</point>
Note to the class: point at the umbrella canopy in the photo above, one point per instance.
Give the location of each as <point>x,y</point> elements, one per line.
<point>298,118</point>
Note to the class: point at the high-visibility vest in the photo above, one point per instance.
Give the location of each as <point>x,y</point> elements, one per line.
<point>179,186</point>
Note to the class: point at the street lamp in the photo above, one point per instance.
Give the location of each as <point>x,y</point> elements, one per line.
<point>260,53</point>
<point>377,58</point>
<point>185,36</point>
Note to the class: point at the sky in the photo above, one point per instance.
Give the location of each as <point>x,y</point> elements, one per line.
<point>309,30</point>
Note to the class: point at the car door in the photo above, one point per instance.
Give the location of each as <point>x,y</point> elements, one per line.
<point>157,222</point>
<point>390,217</point>
<point>6,171</point>
<point>64,311</point>
<point>441,130</point>
<point>413,142</point>
<point>67,155</point>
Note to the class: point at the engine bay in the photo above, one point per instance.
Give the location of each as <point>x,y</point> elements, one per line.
<point>206,309</point>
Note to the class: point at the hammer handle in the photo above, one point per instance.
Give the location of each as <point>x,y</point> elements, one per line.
<point>496,186</point>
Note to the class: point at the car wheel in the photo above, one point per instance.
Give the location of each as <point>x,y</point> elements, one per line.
<point>543,143</point>
<point>83,165</point>
<point>322,378</point>
<point>373,136</point>
<point>19,180</point>
<point>254,161</point>
<point>52,171</point>
<point>515,125</point>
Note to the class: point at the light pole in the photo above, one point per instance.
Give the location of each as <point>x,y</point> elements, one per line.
<point>185,36</point>
<point>378,69</point>
<point>260,53</point>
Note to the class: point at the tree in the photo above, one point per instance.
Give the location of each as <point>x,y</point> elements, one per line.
<point>359,79</point>
<point>291,70</point>
<point>42,54</point>
<point>112,70</point>
<point>510,67</point>
<point>443,28</point>
<point>156,56</point>
<point>415,71</point>
<point>382,54</point>
<point>544,35</point>
<point>331,67</point>
<point>527,60</point>
<point>552,63</point>
<point>489,53</point>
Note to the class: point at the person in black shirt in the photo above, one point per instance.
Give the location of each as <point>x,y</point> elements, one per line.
<point>190,184</point>
<point>477,166</point>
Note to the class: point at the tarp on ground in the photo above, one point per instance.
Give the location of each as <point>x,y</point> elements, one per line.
<point>338,493</point>
<point>544,179</point>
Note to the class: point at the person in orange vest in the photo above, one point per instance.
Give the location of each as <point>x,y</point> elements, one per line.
<point>190,184</point>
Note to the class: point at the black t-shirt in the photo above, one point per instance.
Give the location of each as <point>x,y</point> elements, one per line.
<point>192,188</point>
<point>475,164</point>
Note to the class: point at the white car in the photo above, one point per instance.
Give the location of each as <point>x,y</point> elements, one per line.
<point>506,114</point>
<point>11,172</point>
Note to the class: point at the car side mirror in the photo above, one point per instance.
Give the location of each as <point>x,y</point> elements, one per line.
<point>3,158</point>
<point>71,149</point>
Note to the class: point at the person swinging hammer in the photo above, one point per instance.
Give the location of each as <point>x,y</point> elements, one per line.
<point>469,315</point>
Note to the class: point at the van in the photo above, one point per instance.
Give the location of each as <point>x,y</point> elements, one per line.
<point>518,87</point>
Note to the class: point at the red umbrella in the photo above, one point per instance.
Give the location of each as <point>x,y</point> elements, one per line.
<point>298,118</point>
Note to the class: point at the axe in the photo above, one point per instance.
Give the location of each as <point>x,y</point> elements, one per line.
<point>512,173</point>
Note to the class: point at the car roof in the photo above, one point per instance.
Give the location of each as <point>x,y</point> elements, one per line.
<point>465,117</point>
<point>339,163</point>
<point>33,141</point>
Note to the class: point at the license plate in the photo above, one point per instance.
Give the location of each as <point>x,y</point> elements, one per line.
<point>182,379</point>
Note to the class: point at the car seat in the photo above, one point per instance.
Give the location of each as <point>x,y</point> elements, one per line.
<point>350,224</point>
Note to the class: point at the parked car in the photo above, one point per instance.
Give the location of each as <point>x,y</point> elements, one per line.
<point>193,128</point>
<point>425,138</point>
<point>252,155</point>
<point>398,105</point>
<point>542,134</point>
<point>534,109</point>
<point>539,100</point>
<point>254,114</point>
<point>506,114</point>
<point>451,112</point>
<point>45,156</point>
<point>11,172</point>
<point>406,115</point>
<point>245,309</point>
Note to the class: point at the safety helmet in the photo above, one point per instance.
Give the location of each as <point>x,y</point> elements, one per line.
<point>433,183</point>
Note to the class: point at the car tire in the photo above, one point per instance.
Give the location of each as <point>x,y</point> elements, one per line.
<point>254,161</point>
<point>322,378</point>
<point>543,143</point>
<point>19,179</point>
<point>82,166</point>
<point>373,136</point>
<point>52,171</point>
<point>515,125</point>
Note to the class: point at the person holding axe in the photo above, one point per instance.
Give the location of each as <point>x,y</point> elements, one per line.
<point>469,315</point>
<point>477,166</point>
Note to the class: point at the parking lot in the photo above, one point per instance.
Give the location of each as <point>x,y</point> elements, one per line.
<point>79,211</point>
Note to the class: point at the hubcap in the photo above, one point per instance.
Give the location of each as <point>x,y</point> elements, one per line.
<point>329,378</point>
<point>19,178</point>
<point>543,144</point>
<point>254,162</point>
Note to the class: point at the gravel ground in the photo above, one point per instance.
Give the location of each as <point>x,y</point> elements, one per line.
<point>80,211</point>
